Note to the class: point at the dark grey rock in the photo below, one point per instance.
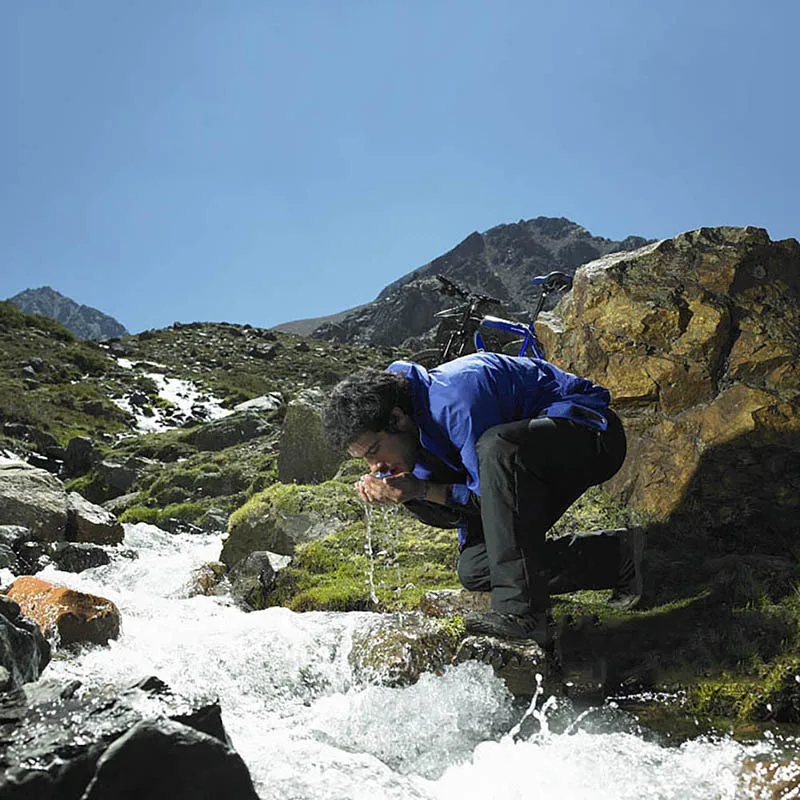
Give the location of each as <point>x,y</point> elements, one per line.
<point>53,737</point>
<point>79,456</point>
<point>24,652</point>
<point>164,760</point>
<point>228,431</point>
<point>76,557</point>
<point>251,580</point>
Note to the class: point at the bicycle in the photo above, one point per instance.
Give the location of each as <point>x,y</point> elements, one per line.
<point>470,319</point>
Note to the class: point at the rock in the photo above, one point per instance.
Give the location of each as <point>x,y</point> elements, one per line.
<point>31,556</point>
<point>10,538</point>
<point>52,740</point>
<point>67,614</point>
<point>251,580</point>
<point>116,505</point>
<point>164,760</point>
<point>304,455</point>
<point>34,499</point>
<point>120,476</point>
<point>767,779</point>
<point>92,524</point>
<point>214,520</point>
<point>75,557</point>
<point>266,523</point>
<point>228,431</point>
<point>516,661</point>
<point>398,648</point>
<point>208,579</point>
<point>24,652</point>
<point>266,402</point>
<point>696,337</point>
<point>79,457</point>
<point>452,602</point>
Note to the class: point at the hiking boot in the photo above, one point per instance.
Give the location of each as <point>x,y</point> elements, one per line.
<point>628,591</point>
<point>509,626</point>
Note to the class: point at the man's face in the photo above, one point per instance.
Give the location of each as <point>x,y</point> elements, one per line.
<point>386,452</point>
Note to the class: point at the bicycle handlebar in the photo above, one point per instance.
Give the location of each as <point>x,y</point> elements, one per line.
<point>553,281</point>
<point>453,290</point>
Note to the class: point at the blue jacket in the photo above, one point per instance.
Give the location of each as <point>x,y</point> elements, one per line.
<point>457,401</point>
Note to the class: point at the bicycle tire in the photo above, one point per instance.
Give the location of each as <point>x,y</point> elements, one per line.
<point>429,358</point>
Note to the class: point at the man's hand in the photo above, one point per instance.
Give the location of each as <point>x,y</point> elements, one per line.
<point>392,489</point>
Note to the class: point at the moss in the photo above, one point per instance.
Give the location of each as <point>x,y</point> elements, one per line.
<point>188,512</point>
<point>333,573</point>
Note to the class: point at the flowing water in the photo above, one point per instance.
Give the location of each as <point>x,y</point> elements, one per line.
<point>307,728</point>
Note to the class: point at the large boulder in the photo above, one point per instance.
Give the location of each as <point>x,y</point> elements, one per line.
<point>228,431</point>
<point>66,614</point>
<point>34,499</point>
<point>284,516</point>
<point>697,339</point>
<point>165,760</point>
<point>138,741</point>
<point>304,455</point>
<point>90,523</point>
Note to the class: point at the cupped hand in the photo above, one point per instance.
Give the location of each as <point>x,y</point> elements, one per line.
<point>392,489</point>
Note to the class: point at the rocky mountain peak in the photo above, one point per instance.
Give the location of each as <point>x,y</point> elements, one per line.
<point>499,262</point>
<point>84,321</point>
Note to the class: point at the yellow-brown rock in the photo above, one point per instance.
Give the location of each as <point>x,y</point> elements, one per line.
<point>698,340</point>
<point>67,614</point>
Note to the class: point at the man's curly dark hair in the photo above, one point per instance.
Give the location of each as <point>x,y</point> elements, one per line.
<point>363,402</point>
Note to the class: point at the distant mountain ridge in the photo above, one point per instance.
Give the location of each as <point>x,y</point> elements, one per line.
<point>499,262</point>
<point>84,321</point>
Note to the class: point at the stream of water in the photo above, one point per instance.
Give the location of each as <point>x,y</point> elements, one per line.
<point>308,729</point>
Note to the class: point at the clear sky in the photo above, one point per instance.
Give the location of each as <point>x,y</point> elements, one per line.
<point>269,160</point>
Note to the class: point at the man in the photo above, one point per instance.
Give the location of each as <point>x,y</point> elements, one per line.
<point>499,447</point>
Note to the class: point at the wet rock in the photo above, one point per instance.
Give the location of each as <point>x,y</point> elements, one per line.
<point>60,741</point>
<point>24,652</point>
<point>31,556</point>
<point>76,557</point>
<point>214,520</point>
<point>164,760</point>
<point>228,431</point>
<point>208,579</point>
<point>304,455</point>
<point>452,602</point>
<point>398,648</point>
<point>34,499</point>
<point>90,523</point>
<point>517,661</point>
<point>251,580</point>
<point>66,614</point>
<point>767,779</point>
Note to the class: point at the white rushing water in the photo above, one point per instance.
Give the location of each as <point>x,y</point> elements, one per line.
<point>307,729</point>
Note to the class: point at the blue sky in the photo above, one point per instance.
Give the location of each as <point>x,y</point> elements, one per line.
<point>261,161</point>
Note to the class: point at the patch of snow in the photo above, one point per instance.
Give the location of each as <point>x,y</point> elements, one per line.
<point>189,401</point>
<point>7,457</point>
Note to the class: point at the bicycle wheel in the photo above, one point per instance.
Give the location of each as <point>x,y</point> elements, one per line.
<point>428,358</point>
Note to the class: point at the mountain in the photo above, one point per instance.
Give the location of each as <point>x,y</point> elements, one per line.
<point>84,321</point>
<point>499,262</point>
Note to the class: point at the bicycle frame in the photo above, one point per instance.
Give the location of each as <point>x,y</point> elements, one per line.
<point>553,282</point>
<point>529,339</point>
